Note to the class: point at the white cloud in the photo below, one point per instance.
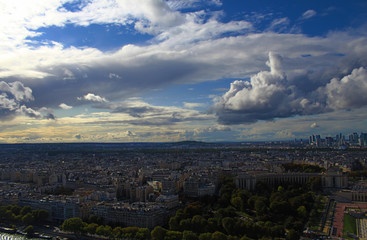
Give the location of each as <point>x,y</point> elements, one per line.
<point>348,92</point>
<point>260,98</point>
<point>93,98</point>
<point>211,129</point>
<point>308,14</point>
<point>65,106</point>
<point>17,90</point>
<point>22,19</point>
<point>29,112</point>
<point>13,97</point>
<point>184,4</point>
<point>113,75</point>
<point>193,105</point>
<point>314,125</point>
<point>279,25</point>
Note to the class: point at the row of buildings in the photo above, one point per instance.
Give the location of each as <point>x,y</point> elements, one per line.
<point>333,178</point>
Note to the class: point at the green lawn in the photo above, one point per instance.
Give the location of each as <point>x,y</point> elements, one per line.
<point>350,224</point>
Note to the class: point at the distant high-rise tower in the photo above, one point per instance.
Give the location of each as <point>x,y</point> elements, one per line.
<point>318,140</point>
<point>329,141</point>
<point>363,139</point>
<point>353,139</point>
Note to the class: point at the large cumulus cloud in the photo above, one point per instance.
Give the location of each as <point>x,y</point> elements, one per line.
<point>348,92</point>
<point>273,94</point>
<point>13,99</point>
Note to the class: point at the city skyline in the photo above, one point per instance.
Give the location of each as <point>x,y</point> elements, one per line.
<point>174,70</point>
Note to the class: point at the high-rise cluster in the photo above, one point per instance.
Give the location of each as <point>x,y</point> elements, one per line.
<point>339,140</point>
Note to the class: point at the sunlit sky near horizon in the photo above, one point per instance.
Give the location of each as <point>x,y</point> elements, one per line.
<point>174,70</point>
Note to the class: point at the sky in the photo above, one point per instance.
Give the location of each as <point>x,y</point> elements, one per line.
<point>175,70</point>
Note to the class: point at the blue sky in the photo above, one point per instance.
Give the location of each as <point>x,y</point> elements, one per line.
<point>173,70</point>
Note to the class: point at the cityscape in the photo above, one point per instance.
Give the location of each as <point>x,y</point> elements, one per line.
<point>143,185</point>
<point>183,119</point>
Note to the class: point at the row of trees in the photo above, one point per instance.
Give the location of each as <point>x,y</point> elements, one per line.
<point>15,215</point>
<point>79,227</point>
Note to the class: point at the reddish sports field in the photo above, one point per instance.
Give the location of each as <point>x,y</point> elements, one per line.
<point>339,215</point>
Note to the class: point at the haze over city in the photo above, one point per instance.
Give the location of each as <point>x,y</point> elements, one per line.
<point>174,70</point>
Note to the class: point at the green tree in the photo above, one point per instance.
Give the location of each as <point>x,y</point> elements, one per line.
<point>237,203</point>
<point>158,233</point>
<point>104,230</point>
<point>74,225</point>
<point>205,236</point>
<point>198,223</point>
<point>29,230</point>
<point>189,235</point>
<point>95,219</point>
<point>218,236</point>
<point>173,235</point>
<point>292,235</point>
<point>9,215</point>
<point>142,234</point>
<point>132,230</point>
<point>260,206</point>
<point>117,232</point>
<point>277,231</point>
<point>228,224</point>
<point>25,210</point>
<point>91,228</point>
<point>212,225</point>
<point>192,209</point>
<point>245,238</point>
<point>40,215</point>
<point>28,218</point>
<point>17,218</point>
<point>302,212</point>
<point>228,186</point>
<point>279,207</point>
<point>185,224</point>
<point>232,237</point>
<point>244,195</point>
<point>226,191</point>
<point>15,209</point>
<point>174,224</point>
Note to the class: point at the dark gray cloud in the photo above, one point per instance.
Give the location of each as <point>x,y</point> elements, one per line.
<point>13,97</point>
<point>273,94</point>
<point>144,114</point>
<point>133,81</point>
<point>78,136</point>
